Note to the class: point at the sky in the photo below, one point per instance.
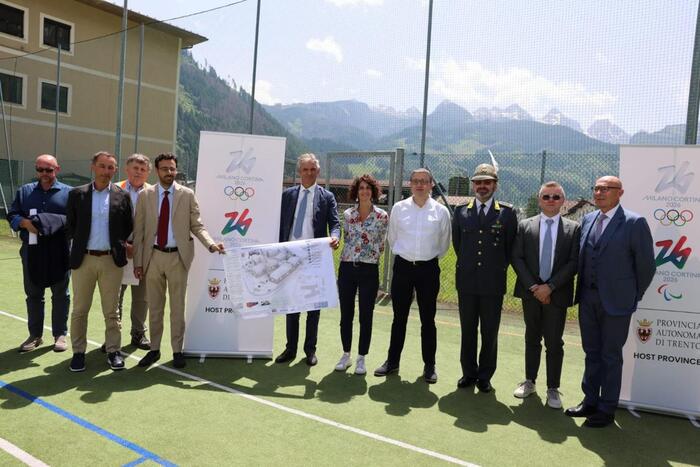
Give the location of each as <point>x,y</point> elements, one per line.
<point>627,61</point>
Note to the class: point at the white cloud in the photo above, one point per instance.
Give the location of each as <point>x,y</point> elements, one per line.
<point>472,85</point>
<point>328,46</point>
<point>372,73</point>
<point>414,64</point>
<point>343,3</point>
<point>263,92</point>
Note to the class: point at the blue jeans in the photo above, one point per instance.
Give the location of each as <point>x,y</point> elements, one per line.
<point>60,303</point>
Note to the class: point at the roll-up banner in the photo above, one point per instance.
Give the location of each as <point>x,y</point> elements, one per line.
<point>239,189</point>
<point>661,369</point>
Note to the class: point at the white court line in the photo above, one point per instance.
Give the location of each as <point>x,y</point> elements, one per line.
<point>22,456</point>
<point>300,413</point>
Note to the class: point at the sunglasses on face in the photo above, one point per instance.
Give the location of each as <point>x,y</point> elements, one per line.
<point>47,170</point>
<point>554,197</point>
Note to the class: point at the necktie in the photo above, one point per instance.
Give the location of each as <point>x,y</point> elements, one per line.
<point>163,220</point>
<point>299,223</point>
<point>599,227</point>
<point>546,253</point>
<point>482,215</point>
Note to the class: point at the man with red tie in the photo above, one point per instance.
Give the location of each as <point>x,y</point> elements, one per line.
<point>166,215</point>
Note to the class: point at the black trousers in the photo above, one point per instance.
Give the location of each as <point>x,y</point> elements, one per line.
<point>312,318</point>
<point>544,321</point>
<point>60,302</point>
<point>476,310</point>
<point>424,278</point>
<point>354,278</point>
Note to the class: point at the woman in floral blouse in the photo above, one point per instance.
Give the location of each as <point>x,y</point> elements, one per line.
<point>365,229</point>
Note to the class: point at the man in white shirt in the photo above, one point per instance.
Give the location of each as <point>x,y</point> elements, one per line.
<point>419,234</point>
<point>545,258</point>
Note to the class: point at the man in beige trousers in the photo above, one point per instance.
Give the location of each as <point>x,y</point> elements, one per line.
<point>166,215</point>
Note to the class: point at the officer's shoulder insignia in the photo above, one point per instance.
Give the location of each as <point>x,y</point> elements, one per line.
<point>506,205</point>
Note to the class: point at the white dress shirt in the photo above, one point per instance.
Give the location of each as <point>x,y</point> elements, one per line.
<point>487,204</point>
<point>419,233</point>
<point>543,231</point>
<point>307,229</point>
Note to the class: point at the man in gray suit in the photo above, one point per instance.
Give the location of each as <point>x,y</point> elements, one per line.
<point>616,266</point>
<point>545,258</point>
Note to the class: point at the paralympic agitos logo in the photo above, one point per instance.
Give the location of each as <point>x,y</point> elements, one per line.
<point>678,255</point>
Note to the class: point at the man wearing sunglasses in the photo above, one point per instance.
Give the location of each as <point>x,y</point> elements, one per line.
<point>45,196</point>
<point>483,232</point>
<point>545,257</point>
<point>616,266</point>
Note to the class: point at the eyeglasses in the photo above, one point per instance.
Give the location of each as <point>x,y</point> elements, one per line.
<point>47,170</point>
<point>420,181</point>
<point>554,197</point>
<point>605,189</point>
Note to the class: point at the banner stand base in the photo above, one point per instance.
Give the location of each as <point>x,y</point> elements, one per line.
<point>249,356</point>
<point>633,408</point>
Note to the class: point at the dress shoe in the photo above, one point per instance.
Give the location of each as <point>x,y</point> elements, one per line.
<point>30,344</point>
<point>59,344</point>
<point>581,410</point>
<point>465,382</point>
<point>286,356</point>
<point>386,369</point>
<point>77,363</point>
<point>150,358</point>
<point>311,359</point>
<point>115,360</point>
<point>140,341</point>
<point>179,360</point>
<point>599,420</point>
<point>484,385</point>
<point>430,375</point>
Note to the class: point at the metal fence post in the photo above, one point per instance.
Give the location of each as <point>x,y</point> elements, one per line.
<point>544,166</point>
<point>58,99</point>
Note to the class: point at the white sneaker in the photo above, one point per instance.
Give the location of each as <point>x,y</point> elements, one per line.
<point>524,389</point>
<point>553,399</point>
<point>360,368</point>
<point>344,363</point>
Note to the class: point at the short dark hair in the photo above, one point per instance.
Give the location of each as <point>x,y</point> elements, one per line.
<point>103,153</point>
<point>369,180</point>
<point>166,156</point>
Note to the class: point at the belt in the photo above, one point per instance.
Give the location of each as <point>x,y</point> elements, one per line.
<point>165,250</point>
<point>358,264</point>
<point>416,263</point>
<point>97,252</point>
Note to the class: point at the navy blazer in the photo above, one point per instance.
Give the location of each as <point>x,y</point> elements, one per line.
<point>325,217</point>
<point>625,263</point>
<point>79,216</point>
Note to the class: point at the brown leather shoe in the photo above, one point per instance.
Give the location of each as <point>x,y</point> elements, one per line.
<point>140,341</point>
<point>60,344</point>
<point>30,344</point>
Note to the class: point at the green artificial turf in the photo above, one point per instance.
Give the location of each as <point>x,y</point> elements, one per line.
<point>190,422</point>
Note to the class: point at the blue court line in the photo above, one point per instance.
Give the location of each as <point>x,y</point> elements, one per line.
<point>144,453</point>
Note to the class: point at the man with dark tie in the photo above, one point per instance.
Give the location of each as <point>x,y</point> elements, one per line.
<point>98,222</point>
<point>483,232</point>
<point>545,257</point>
<point>308,211</point>
<point>616,266</point>
<point>167,214</point>
<point>418,235</point>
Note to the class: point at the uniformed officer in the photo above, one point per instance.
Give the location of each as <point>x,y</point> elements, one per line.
<point>483,233</point>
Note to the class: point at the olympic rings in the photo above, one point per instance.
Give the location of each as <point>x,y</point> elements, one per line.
<point>239,192</point>
<point>673,216</point>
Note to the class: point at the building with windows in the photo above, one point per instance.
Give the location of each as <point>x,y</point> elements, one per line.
<point>77,44</point>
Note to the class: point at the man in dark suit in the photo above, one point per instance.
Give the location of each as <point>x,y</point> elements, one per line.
<point>98,222</point>
<point>545,257</point>
<point>616,266</point>
<point>483,232</point>
<point>308,211</point>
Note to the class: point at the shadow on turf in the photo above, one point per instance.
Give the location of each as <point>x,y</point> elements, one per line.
<point>338,387</point>
<point>14,360</point>
<point>97,382</point>
<point>401,396</point>
<point>475,411</point>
